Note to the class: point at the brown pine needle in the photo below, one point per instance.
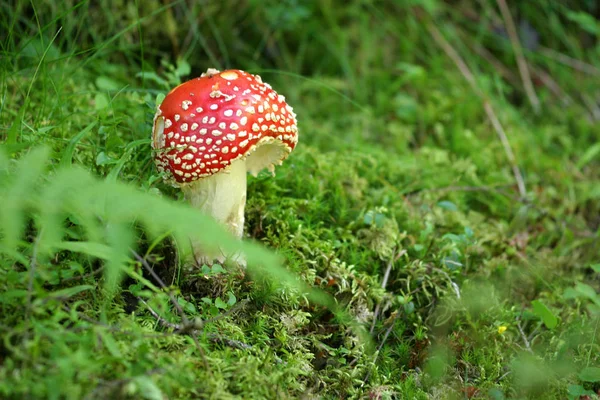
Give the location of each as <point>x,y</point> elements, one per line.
<point>521,63</point>
<point>489,110</point>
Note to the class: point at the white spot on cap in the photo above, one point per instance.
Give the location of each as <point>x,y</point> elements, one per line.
<point>229,75</point>
<point>176,117</point>
<point>225,149</point>
<point>184,127</point>
<point>214,106</point>
<point>231,137</point>
<point>185,104</point>
<point>228,113</point>
<point>194,126</point>
<point>209,140</point>
<point>255,127</point>
<point>243,120</point>
<point>203,131</point>
<point>216,132</point>
<point>168,123</point>
<point>199,109</point>
<point>222,125</point>
<point>233,126</point>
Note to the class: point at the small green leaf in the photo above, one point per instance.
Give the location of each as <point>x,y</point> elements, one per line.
<point>590,374</point>
<point>67,156</point>
<point>591,153</point>
<point>109,342</point>
<point>447,205</point>
<point>159,98</point>
<point>231,300</point>
<point>183,68</point>
<point>70,291</point>
<point>101,101</point>
<point>578,390</point>
<point>93,249</point>
<point>595,267</point>
<point>105,83</point>
<point>586,291</point>
<point>103,159</point>
<point>147,388</point>
<point>544,314</point>
<point>220,303</point>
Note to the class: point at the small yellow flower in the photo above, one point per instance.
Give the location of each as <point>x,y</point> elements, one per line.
<point>502,329</point>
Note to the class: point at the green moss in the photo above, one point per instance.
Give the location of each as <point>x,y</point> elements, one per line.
<point>398,173</point>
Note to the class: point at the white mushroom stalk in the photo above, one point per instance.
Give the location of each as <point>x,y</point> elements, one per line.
<point>210,132</point>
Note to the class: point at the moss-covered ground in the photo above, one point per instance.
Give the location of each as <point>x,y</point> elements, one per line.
<point>435,234</point>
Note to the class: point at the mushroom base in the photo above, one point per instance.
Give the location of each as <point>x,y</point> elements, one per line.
<point>223,197</point>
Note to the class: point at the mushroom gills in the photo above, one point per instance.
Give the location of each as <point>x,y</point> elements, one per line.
<point>266,155</point>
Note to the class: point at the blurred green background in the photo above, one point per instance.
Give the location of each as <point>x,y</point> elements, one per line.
<point>445,194</point>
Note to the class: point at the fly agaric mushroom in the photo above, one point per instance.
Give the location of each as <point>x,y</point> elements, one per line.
<point>210,131</point>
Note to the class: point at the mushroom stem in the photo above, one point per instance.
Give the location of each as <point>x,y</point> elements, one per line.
<point>223,197</point>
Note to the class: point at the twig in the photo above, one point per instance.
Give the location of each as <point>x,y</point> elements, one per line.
<point>490,58</point>
<point>385,337</point>
<point>160,319</point>
<point>523,336</point>
<point>32,268</point>
<point>452,283</point>
<point>384,282</point>
<point>230,342</point>
<point>569,61</point>
<point>148,268</point>
<point>175,303</point>
<point>194,328</point>
<point>521,63</point>
<point>466,72</point>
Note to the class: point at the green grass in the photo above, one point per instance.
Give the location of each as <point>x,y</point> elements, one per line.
<point>489,294</point>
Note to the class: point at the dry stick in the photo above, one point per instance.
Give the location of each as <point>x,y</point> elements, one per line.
<point>175,304</point>
<point>523,336</point>
<point>148,268</point>
<point>183,329</point>
<point>385,337</point>
<point>521,63</point>
<point>464,69</point>
<point>569,61</point>
<point>160,319</point>
<point>386,276</point>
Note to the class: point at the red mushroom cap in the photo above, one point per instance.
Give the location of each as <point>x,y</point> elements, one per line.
<point>205,124</point>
